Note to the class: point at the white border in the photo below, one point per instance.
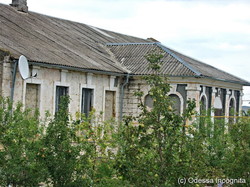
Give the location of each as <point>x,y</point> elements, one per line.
<point>93,97</point>
<point>113,89</point>
<point>54,98</point>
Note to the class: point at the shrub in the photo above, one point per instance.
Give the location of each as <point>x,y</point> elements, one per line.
<point>20,143</point>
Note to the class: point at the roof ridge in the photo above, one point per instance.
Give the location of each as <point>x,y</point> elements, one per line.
<point>141,43</point>
<point>179,59</point>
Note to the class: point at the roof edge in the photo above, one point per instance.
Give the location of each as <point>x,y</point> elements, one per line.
<point>72,68</point>
<point>243,82</point>
<point>199,74</point>
<point>57,66</point>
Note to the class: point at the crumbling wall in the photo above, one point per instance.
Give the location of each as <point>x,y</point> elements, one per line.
<point>1,77</point>
<point>130,101</point>
<point>4,56</point>
<point>48,79</point>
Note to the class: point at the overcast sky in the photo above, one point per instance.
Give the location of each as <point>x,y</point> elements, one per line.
<point>216,32</point>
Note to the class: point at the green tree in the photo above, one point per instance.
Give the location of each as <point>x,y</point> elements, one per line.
<point>154,151</point>
<point>238,155</point>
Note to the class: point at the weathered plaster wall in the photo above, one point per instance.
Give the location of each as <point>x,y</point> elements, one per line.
<point>1,77</point>
<point>48,79</point>
<point>4,57</point>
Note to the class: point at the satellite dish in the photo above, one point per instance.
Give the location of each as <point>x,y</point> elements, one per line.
<point>217,103</point>
<point>23,67</point>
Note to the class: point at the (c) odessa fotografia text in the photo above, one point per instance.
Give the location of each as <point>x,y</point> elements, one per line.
<point>211,181</point>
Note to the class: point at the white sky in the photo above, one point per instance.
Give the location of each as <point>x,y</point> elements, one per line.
<point>216,32</point>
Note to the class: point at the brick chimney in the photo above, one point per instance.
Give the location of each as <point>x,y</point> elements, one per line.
<point>21,5</point>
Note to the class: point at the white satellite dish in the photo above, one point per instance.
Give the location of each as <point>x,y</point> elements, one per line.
<point>23,67</point>
<point>217,103</point>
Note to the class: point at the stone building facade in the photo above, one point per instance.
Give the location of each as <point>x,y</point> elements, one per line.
<point>205,92</point>
<point>100,69</point>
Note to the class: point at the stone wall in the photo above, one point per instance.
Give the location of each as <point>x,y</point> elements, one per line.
<point>186,88</point>
<point>130,101</point>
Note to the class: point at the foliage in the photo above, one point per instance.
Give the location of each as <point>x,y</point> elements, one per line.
<point>63,152</point>
<point>20,143</point>
<point>238,156</point>
<point>154,149</point>
<point>153,152</point>
<point>79,152</point>
<point>161,148</point>
<point>65,156</point>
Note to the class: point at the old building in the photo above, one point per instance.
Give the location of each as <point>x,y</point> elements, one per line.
<point>98,68</point>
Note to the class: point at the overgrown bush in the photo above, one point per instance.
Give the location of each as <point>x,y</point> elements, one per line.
<point>65,155</point>
<point>237,158</point>
<point>157,148</point>
<point>161,148</point>
<point>154,152</point>
<point>20,144</point>
<point>65,152</point>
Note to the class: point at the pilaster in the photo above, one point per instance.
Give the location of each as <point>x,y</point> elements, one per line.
<point>193,92</point>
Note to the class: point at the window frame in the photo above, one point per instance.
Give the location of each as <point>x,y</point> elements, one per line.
<point>180,103</point>
<point>87,86</point>
<point>115,102</point>
<point>41,90</point>
<point>54,99</point>
<point>91,96</point>
<point>57,98</point>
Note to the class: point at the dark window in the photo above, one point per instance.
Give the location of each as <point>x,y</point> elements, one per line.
<point>203,108</point>
<point>237,96</point>
<point>209,91</point>
<point>231,111</point>
<point>181,88</point>
<point>87,100</point>
<point>203,105</point>
<point>60,91</point>
<point>116,82</point>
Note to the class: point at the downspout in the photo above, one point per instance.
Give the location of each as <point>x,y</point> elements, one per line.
<point>122,95</point>
<point>13,82</point>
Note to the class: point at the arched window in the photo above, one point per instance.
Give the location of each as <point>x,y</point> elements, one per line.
<point>231,107</point>
<point>203,105</point>
<point>176,103</point>
<point>203,113</point>
<point>231,110</point>
<point>148,101</point>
